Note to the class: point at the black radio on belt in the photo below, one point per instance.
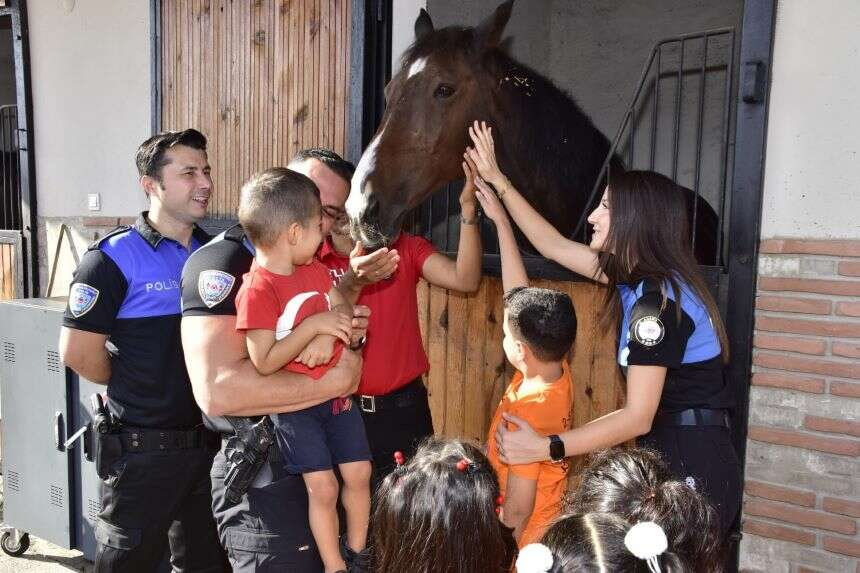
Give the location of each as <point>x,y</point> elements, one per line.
<point>103,420</point>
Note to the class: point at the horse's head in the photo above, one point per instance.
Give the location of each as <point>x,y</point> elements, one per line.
<point>441,86</point>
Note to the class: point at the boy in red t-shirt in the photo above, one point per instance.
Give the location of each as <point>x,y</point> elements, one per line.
<point>295,319</point>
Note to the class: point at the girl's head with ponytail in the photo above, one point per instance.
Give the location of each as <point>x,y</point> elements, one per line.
<point>600,543</point>
<point>637,485</point>
<point>438,513</point>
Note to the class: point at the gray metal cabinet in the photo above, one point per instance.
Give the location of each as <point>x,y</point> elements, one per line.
<point>50,486</point>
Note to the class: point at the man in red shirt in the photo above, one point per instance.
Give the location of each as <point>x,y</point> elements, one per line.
<point>391,395</point>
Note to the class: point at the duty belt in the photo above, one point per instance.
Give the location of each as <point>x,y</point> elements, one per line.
<point>693,417</point>
<point>404,397</point>
<point>155,440</point>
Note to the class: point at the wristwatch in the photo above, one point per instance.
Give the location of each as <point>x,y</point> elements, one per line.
<point>556,449</point>
<point>358,344</point>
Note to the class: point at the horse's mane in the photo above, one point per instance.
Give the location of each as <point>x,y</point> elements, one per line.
<point>548,147</point>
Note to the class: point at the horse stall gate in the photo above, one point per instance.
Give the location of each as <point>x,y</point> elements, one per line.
<point>677,87</point>
<point>265,78</point>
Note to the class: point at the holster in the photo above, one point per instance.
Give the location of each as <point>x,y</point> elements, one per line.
<point>108,446</point>
<point>246,452</point>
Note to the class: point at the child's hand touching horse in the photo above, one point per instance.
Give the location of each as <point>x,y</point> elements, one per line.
<point>484,157</point>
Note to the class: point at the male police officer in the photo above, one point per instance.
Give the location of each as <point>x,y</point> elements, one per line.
<point>267,530</point>
<point>121,328</point>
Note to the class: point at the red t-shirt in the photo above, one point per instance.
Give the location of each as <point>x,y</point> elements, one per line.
<point>268,301</point>
<point>393,354</point>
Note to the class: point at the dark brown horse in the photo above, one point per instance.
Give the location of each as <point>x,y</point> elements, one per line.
<point>545,144</point>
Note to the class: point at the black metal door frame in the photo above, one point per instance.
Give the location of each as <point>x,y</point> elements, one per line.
<point>17,10</point>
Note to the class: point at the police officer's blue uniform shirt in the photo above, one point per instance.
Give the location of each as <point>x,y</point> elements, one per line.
<point>652,335</point>
<point>128,287</point>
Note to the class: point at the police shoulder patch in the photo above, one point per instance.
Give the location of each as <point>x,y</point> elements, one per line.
<point>214,286</point>
<point>648,331</point>
<point>82,299</point>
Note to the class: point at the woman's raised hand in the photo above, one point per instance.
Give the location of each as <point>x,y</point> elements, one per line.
<point>490,203</point>
<point>484,155</point>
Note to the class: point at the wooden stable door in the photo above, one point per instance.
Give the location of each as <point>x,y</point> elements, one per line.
<point>260,78</point>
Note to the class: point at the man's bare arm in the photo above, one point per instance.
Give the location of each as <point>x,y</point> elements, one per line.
<point>85,353</point>
<point>225,383</point>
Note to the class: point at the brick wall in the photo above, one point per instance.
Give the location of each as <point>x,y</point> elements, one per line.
<point>801,505</point>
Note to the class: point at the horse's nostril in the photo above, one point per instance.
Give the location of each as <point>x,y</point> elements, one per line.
<point>371,211</point>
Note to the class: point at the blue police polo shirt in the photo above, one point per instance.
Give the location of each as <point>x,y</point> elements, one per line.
<point>128,287</point>
<point>654,333</point>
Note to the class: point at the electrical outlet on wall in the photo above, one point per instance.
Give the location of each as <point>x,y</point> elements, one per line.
<point>94,202</point>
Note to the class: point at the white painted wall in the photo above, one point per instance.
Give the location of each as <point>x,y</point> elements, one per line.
<point>404,13</point>
<point>812,170</point>
<point>91,103</point>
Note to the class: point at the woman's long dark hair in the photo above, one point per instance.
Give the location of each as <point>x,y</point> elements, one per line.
<point>432,517</point>
<point>594,543</point>
<point>636,484</point>
<point>649,238</point>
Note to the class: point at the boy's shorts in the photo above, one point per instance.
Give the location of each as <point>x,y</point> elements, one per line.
<point>316,439</point>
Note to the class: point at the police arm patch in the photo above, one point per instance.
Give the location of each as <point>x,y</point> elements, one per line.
<point>648,331</point>
<point>214,286</point>
<point>82,299</point>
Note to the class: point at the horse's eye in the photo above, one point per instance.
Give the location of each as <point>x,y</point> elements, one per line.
<point>443,91</point>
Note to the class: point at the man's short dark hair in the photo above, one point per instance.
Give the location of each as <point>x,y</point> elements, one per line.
<point>329,158</point>
<point>274,199</point>
<point>150,156</point>
<point>542,318</point>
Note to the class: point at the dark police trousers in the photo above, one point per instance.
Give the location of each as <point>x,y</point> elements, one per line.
<point>400,422</point>
<point>268,530</point>
<point>705,458</point>
<point>155,499</point>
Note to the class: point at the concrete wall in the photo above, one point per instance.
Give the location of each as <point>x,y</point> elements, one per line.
<point>803,474</point>
<point>91,109</point>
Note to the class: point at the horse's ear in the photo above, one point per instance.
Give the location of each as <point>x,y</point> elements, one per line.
<point>423,25</point>
<point>489,32</point>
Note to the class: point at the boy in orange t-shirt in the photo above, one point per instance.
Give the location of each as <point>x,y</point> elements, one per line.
<point>539,327</point>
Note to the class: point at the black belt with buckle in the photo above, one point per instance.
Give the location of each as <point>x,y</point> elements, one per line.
<point>694,417</point>
<point>409,395</point>
<point>155,440</point>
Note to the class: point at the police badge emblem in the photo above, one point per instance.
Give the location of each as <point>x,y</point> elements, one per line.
<point>648,331</point>
<point>82,299</point>
<point>214,286</point>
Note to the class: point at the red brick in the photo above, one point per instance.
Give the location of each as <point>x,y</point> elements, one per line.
<point>846,389</point>
<point>848,308</point>
<point>849,268</point>
<point>789,381</point>
<point>832,425</point>
<point>841,545</point>
<point>780,493</point>
<point>809,365</point>
<point>842,506</point>
<point>790,343</point>
<point>800,516</point>
<point>793,304</point>
<point>127,220</point>
<point>851,350</point>
<point>101,222</point>
<point>803,569</point>
<point>840,446</point>
<point>815,327</point>
<point>774,531</point>
<point>839,248</point>
<point>820,286</point>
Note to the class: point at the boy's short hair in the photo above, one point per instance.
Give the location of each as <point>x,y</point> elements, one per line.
<point>274,199</point>
<point>150,158</point>
<point>542,318</point>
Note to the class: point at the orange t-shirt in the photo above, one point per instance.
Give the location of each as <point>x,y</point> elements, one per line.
<point>546,407</point>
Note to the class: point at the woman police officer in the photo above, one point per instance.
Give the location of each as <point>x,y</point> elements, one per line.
<point>672,343</point>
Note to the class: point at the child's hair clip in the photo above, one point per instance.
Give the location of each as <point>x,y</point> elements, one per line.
<point>467,465</point>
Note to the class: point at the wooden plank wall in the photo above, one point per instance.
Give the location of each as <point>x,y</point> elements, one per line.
<point>260,78</point>
<point>463,338</point>
<point>8,266</point>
